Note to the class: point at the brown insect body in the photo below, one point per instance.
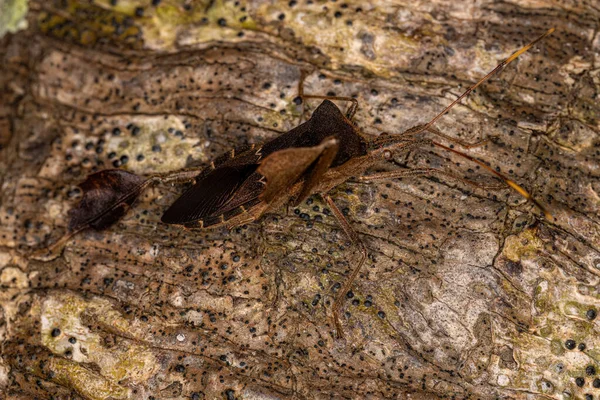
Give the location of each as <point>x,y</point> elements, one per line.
<point>233,192</point>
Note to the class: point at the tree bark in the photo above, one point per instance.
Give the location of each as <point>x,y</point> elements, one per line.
<point>466,293</point>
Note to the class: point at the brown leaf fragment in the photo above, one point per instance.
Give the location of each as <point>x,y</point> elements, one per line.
<point>106,196</point>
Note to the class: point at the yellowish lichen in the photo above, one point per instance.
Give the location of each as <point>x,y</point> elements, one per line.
<point>524,245</point>
<point>128,361</point>
<point>12,16</point>
<point>85,382</point>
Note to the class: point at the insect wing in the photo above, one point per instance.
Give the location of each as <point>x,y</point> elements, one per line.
<point>330,147</point>
<point>210,196</point>
<point>283,168</point>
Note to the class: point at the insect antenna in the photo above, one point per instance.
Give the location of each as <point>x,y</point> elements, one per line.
<point>405,139</point>
<point>518,188</point>
<point>493,72</point>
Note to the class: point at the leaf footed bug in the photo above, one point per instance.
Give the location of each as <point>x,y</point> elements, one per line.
<point>313,158</point>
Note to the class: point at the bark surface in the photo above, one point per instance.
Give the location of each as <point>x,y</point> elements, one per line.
<point>466,293</point>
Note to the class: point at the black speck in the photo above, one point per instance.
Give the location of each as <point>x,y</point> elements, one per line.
<point>139,11</point>
<point>591,314</point>
<point>222,22</point>
<point>55,332</point>
<point>230,394</point>
<point>596,383</point>
<point>570,344</point>
<point>155,2</point>
<point>156,148</point>
<point>581,347</point>
<point>179,368</point>
<point>590,370</point>
<point>116,132</point>
<point>579,381</point>
<point>381,314</point>
<point>72,340</point>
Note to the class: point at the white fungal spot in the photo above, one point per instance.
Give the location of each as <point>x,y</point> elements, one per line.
<point>503,380</point>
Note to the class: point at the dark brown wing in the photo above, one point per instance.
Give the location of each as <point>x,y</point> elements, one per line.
<point>211,196</point>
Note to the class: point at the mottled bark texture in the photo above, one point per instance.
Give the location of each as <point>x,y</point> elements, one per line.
<point>467,293</point>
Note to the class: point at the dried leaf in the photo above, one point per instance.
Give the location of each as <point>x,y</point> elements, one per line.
<point>106,196</point>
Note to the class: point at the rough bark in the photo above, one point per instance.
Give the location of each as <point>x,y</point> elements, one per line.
<point>467,293</point>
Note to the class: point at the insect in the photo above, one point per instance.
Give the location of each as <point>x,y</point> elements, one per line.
<point>313,158</point>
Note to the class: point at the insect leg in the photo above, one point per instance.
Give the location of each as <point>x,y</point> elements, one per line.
<point>461,143</point>
<point>407,144</point>
<point>351,233</point>
<point>496,70</point>
<point>349,113</point>
<point>410,133</point>
<point>493,72</point>
<point>514,185</point>
<point>181,176</point>
<point>427,172</point>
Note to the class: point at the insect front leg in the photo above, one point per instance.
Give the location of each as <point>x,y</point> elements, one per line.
<point>349,113</point>
<point>409,134</point>
<point>407,144</point>
<point>427,172</point>
<point>353,236</point>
